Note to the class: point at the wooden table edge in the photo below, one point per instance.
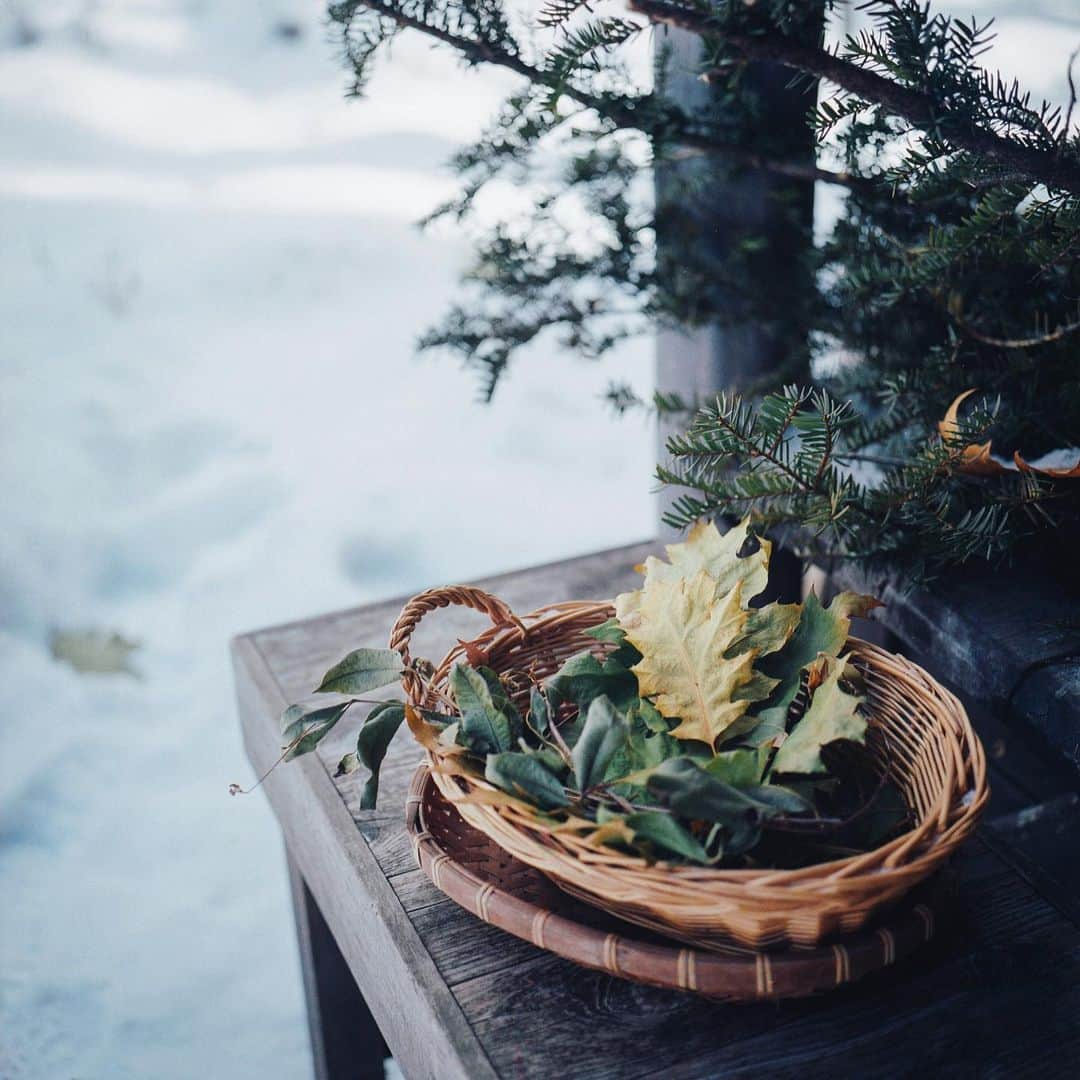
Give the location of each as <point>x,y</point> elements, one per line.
<point>420,1018</point>
<point>490,583</point>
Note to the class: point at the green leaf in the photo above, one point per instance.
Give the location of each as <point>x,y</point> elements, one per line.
<point>605,731</point>
<point>833,714</point>
<point>642,751</point>
<point>486,726</point>
<point>551,759</point>
<point>371,744</point>
<point>694,793</point>
<point>361,671</point>
<point>526,777</point>
<point>539,718</point>
<point>651,716</point>
<point>663,831</point>
<point>820,630</point>
<point>307,727</point>
<point>583,678</point>
<point>769,628</point>
<point>784,800</point>
<point>611,632</point>
<point>741,768</point>
<point>348,764</point>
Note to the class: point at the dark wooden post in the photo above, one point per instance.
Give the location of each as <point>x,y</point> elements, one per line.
<point>697,362</point>
<point>345,1041</point>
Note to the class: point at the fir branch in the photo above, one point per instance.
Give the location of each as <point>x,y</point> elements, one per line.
<point>655,117</point>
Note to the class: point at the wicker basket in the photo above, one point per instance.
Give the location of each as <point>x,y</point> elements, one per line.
<point>918,731</point>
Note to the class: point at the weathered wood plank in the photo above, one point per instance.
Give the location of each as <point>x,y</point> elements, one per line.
<point>419,1017</point>
<point>590,1025</point>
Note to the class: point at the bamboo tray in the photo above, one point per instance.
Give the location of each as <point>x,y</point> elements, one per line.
<point>490,883</point>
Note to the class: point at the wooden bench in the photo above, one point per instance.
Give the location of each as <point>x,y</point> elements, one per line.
<point>387,957</point>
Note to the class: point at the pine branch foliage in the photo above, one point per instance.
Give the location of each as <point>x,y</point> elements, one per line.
<point>955,262</point>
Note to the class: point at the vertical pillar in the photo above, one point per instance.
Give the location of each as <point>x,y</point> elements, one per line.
<point>697,362</point>
<point>346,1043</point>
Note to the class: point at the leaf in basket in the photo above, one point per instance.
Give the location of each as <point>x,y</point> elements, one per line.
<point>684,633</point>
<point>303,728</point>
<point>695,794</point>
<point>820,630</point>
<point>361,671</point>
<point>643,749</point>
<point>661,830</point>
<point>769,628</point>
<point>706,548</point>
<point>539,718</point>
<point>612,633</point>
<point>604,733</point>
<point>612,829</point>
<point>523,775</point>
<point>372,743</point>
<point>609,631</point>
<point>833,714</point>
<point>487,720</point>
<point>650,716</point>
<point>549,758</point>
<point>423,731</point>
<point>584,677</point>
<point>741,767</point>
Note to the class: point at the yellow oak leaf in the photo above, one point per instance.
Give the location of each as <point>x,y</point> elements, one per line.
<point>683,632</point>
<point>706,548</point>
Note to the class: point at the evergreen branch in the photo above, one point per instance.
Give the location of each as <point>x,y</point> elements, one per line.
<point>920,109</point>
<point>646,113</point>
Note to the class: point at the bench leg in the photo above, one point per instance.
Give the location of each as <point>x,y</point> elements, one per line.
<point>346,1043</point>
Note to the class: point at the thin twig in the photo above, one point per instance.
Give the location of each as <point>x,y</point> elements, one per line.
<point>1017,343</point>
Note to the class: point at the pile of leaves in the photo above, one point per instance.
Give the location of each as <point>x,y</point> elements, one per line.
<point>699,729</point>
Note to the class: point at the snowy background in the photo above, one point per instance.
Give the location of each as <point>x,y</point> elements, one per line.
<point>213,420</point>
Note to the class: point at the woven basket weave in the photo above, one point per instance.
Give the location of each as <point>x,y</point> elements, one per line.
<point>918,732</point>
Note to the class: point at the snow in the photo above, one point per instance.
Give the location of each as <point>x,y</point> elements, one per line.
<point>213,420</point>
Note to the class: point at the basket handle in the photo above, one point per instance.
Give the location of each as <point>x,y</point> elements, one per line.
<point>463,595</point>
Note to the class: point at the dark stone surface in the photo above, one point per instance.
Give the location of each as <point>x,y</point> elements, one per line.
<point>1006,640</point>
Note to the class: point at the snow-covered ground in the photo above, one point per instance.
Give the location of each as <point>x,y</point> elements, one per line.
<point>213,420</point>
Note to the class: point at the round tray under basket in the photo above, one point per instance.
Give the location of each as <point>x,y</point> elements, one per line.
<point>484,879</point>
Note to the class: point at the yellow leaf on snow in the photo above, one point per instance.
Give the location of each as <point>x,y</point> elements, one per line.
<point>683,632</point>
